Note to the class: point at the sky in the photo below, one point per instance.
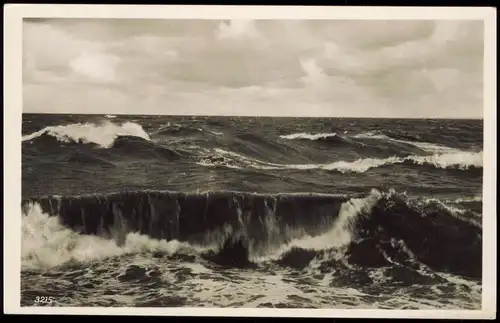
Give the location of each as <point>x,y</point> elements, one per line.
<point>317,68</point>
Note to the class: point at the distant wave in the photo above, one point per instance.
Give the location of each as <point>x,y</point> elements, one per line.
<point>103,134</point>
<point>460,160</point>
<point>456,160</point>
<point>380,229</point>
<point>327,138</point>
<point>426,146</point>
<point>463,214</point>
<point>176,129</point>
<point>309,136</point>
<point>172,129</point>
<point>468,199</point>
<point>374,142</point>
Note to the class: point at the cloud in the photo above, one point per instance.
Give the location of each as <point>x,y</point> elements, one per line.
<point>237,29</point>
<point>317,68</point>
<point>95,66</point>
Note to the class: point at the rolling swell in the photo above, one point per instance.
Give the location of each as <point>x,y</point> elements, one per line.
<point>379,230</point>
<point>87,153</point>
<point>456,161</point>
<point>371,144</point>
<point>262,147</point>
<point>177,130</point>
<point>86,159</point>
<point>138,147</point>
<point>47,141</point>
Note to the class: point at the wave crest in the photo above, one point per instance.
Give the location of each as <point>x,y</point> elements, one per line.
<point>341,232</point>
<point>426,146</point>
<point>370,230</point>
<point>47,243</point>
<point>102,135</point>
<point>309,136</point>
<point>459,160</point>
<point>456,160</point>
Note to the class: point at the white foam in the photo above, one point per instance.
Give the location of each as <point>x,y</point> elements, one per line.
<point>101,134</point>
<point>468,199</point>
<point>46,243</point>
<point>426,146</point>
<point>458,159</point>
<point>304,135</point>
<point>340,233</point>
<point>451,209</point>
<point>455,211</point>
<point>360,165</point>
<point>232,159</point>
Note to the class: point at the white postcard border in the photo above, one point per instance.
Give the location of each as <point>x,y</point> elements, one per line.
<point>13,15</point>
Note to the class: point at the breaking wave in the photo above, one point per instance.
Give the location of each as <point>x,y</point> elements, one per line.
<point>238,229</point>
<point>47,243</point>
<point>341,232</point>
<point>103,134</point>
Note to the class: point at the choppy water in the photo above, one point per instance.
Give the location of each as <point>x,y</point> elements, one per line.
<point>251,212</point>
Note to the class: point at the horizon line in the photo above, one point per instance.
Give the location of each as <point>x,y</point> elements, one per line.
<point>253,116</point>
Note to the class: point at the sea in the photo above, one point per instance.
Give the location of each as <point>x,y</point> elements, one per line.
<point>199,211</point>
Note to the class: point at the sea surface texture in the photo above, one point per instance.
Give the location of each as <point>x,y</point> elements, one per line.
<point>251,212</point>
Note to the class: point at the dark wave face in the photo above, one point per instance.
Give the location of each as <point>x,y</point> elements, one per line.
<point>348,212</point>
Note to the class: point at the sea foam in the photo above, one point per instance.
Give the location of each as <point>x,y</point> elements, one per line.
<point>103,134</point>
<point>305,135</point>
<point>46,243</point>
<point>340,233</point>
<point>426,146</point>
<point>453,160</point>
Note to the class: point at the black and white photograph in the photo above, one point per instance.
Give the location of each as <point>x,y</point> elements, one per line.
<point>320,164</point>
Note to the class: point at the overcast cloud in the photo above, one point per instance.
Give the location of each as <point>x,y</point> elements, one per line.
<point>335,68</point>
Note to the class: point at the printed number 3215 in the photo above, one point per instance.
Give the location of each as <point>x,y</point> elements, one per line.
<point>43,299</point>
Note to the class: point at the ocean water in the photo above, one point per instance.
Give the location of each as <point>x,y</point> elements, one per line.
<point>134,210</point>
